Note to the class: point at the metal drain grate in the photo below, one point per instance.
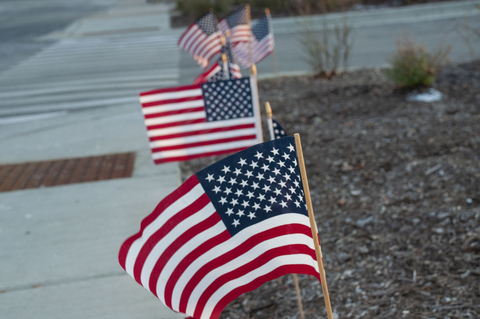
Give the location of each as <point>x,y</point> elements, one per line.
<point>65,171</point>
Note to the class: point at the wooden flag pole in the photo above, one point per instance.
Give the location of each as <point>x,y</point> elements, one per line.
<point>274,55</point>
<point>299,296</point>
<point>268,111</point>
<point>313,225</point>
<point>256,100</point>
<point>249,18</point>
<point>226,67</point>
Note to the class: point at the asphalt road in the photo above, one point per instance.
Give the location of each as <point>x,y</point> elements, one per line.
<point>22,21</point>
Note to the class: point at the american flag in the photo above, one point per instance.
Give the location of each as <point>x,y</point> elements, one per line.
<point>226,230</point>
<point>219,71</point>
<point>202,39</point>
<point>202,120</point>
<point>278,131</point>
<point>238,22</point>
<point>261,44</point>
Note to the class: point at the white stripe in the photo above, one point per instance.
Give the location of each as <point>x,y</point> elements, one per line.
<point>170,211</point>
<point>172,107</point>
<point>199,126</point>
<point>202,137</point>
<point>182,252</point>
<point>176,118</point>
<point>160,246</point>
<point>260,271</point>
<point>238,239</point>
<point>205,149</point>
<point>192,31</point>
<point>170,95</point>
<point>201,50</point>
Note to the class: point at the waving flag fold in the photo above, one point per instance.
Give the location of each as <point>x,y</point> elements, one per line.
<point>228,229</point>
<point>238,22</point>
<point>202,39</point>
<point>202,120</point>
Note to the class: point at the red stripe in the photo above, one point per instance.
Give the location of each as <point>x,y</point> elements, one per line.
<point>173,124</point>
<point>172,101</point>
<point>201,45</point>
<point>278,272</point>
<point>179,242</point>
<point>189,157</point>
<point>201,132</point>
<point>184,33</point>
<point>189,259</point>
<point>184,188</point>
<point>182,111</point>
<point>238,251</point>
<point>158,235</point>
<point>171,89</point>
<point>203,143</point>
<point>245,269</point>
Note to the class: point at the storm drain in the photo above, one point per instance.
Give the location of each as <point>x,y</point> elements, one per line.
<point>65,171</point>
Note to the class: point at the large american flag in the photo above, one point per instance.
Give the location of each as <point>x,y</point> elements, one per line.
<point>261,45</point>
<point>219,71</point>
<point>202,120</point>
<point>238,22</point>
<point>228,229</point>
<point>202,39</point>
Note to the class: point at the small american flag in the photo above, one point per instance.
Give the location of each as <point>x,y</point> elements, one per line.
<point>202,39</point>
<point>238,22</point>
<point>202,120</point>
<point>262,44</point>
<point>219,71</point>
<point>278,131</point>
<point>228,229</point>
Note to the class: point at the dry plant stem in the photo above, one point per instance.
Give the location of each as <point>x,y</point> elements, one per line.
<point>313,225</point>
<point>299,296</point>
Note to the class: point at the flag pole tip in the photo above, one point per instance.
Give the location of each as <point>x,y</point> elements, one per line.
<point>267,11</point>
<point>268,109</point>
<point>253,69</point>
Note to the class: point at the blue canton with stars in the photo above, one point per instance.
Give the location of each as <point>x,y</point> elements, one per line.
<point>255,184</point>
<point>261,29</point>
<point>278,131</point>
<point>208,23</point>
<point>228,99</point>
<point>237,17</point>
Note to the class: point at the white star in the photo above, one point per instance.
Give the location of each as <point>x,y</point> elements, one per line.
<point>248,174</point>
<point>259,176</point>
<point>274,151</point>
<point>270,159</point>
<point>234,202</point>
<point>250,195</point>
<point>282,183</point>
<point>300,197</point>
<point>282,164</point>
<point>296,183</point>
<point>276,171</point>
<point>227,190</point>
<point>297,203</point>
<point>217,189</point>
<point>244,183</point>
<point>288,196</point>
<point>254,164</point>
<point>287,177</point>
<point>232,181</point>
<point>256,206</point>
<point>209,178</point>
<point>235,223</point>
<point>272,200</point>
<point>222,200</point>
<point>245,204</point>
<point>283,204</point>
<point>295,161</point>
<point>261,197</point>
<point>292,190</point>
<point>286,156</point>
<point>252,215</point>
<point>221,179</point>
<point>271,179</point>
<point>291,169</point>
<point>226,169</point>
<point>239,192</point>
<point>265,167</point>
<point>242,162</point>
<point>291,148</point>
<point>258,155</point>
<point>255,185</point>
<point>240,213</point>
<point>267,209</point>
<point>266,188</point>
<point>237,171</point>
<point>229,212</point>
<point>277,192</point>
